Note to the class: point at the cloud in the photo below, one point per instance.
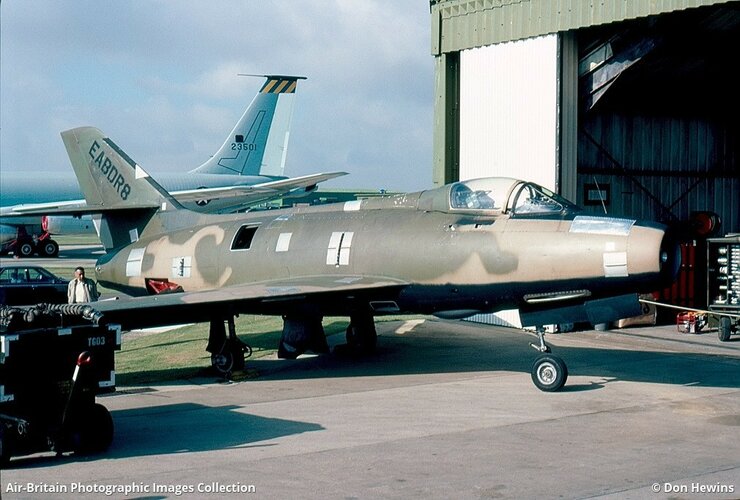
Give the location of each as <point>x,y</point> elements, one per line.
<point>160,78</point>
<point>219,82</point>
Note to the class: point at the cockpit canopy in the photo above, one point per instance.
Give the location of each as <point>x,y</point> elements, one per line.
<point>504,195</point>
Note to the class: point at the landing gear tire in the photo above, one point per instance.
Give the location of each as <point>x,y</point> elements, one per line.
<point>231,357</point>
<point>5,447</point>
<point>25,249</point>
<point>725,328</point>
<point>48,248</point>
<point>93,430</point>
<point>549,373</point>
<point>227,353</point>
<point>223,362</point>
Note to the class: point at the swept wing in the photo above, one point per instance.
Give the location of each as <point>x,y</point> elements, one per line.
<point>240,196</point>
<point>275,295</point>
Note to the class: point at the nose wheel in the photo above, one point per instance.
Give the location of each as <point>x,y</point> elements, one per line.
<point>549,372</point>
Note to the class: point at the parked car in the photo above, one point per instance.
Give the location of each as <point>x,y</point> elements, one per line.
<point>20,285</point>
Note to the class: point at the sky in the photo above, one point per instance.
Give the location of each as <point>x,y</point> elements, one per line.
<point>160,78</point>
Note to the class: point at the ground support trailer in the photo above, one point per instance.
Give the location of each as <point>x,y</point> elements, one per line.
<point>54,361</point>
<point>723,283</point>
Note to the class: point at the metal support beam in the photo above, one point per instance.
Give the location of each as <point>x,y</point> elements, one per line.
<point>567,156</point>
<point>446,156</point>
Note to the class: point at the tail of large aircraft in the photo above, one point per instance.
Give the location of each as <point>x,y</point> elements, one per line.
<point>115,186</point>
<point>259,142</point>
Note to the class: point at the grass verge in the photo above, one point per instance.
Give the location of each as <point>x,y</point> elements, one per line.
<point>180,353</point>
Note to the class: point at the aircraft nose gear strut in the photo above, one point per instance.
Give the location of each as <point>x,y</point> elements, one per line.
<point>544,348</point>
<point>549,372</point>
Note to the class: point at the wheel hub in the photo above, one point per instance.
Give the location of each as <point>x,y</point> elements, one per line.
<point>547,373</point>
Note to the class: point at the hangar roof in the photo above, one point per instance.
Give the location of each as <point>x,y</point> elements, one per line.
<point>465,24</point>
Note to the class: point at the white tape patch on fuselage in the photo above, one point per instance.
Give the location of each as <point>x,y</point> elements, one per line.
<point>133,263</point>
<point>352,206</point>
<point>339,247</point>
<point>615,264</point>
<point>283,242</point>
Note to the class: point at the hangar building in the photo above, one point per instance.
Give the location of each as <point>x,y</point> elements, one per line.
<point>624,106</point>
<point>628,107</point>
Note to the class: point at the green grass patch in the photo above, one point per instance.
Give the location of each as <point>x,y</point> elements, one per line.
<point>77,239</point>
<point>180,353</point>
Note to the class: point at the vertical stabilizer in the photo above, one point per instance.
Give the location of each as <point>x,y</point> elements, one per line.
<point>112,182</point>
<point>259,142</point>
<point>108,177</point>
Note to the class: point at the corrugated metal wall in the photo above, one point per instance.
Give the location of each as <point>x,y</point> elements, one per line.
<point>508,111</point>
<point>464,24</point>
<point>673,166</point>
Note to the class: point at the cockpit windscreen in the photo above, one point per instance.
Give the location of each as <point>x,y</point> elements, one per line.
<point>480,194</point>
<point>501,194</point>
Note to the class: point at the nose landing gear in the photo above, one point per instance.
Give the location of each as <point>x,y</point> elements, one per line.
<point>549,372</point>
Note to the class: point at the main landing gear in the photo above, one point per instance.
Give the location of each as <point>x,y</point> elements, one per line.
<point>26,247</point>
<point>361,335</point>
<point>549,372</point>
<point>303,332</point>
<point>227,354</point>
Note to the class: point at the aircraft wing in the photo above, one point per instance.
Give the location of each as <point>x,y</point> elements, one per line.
<point>242,196</point>
<point>74,207</point>
<point>251,194</point>
<point>272,296</point>
<point>33,208</point>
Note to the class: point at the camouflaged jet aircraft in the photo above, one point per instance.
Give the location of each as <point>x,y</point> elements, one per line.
<point>469,247</point>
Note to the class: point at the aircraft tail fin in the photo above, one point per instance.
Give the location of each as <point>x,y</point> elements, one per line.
<point>114,186</point>
<point>108,177</point>
<point>258,144</point>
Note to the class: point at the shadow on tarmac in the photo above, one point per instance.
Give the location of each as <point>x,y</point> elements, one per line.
<point>433,348</point>
<point>430,349</point>
<point>180,428</point>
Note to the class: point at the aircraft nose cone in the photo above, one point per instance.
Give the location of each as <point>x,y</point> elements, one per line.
<point>670,257</point>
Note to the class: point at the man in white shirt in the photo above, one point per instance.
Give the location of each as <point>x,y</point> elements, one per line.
<point>82,289</point>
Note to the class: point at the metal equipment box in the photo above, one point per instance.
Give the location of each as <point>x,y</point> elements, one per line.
<point>49,378</point>
<point>723,282</point>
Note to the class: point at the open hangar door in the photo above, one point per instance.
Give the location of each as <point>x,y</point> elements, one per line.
<point>658,116</point>
<point>659,135</point>
<point>643,124</point>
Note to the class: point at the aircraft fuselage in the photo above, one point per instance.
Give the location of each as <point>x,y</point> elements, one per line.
<point>450,261</point>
